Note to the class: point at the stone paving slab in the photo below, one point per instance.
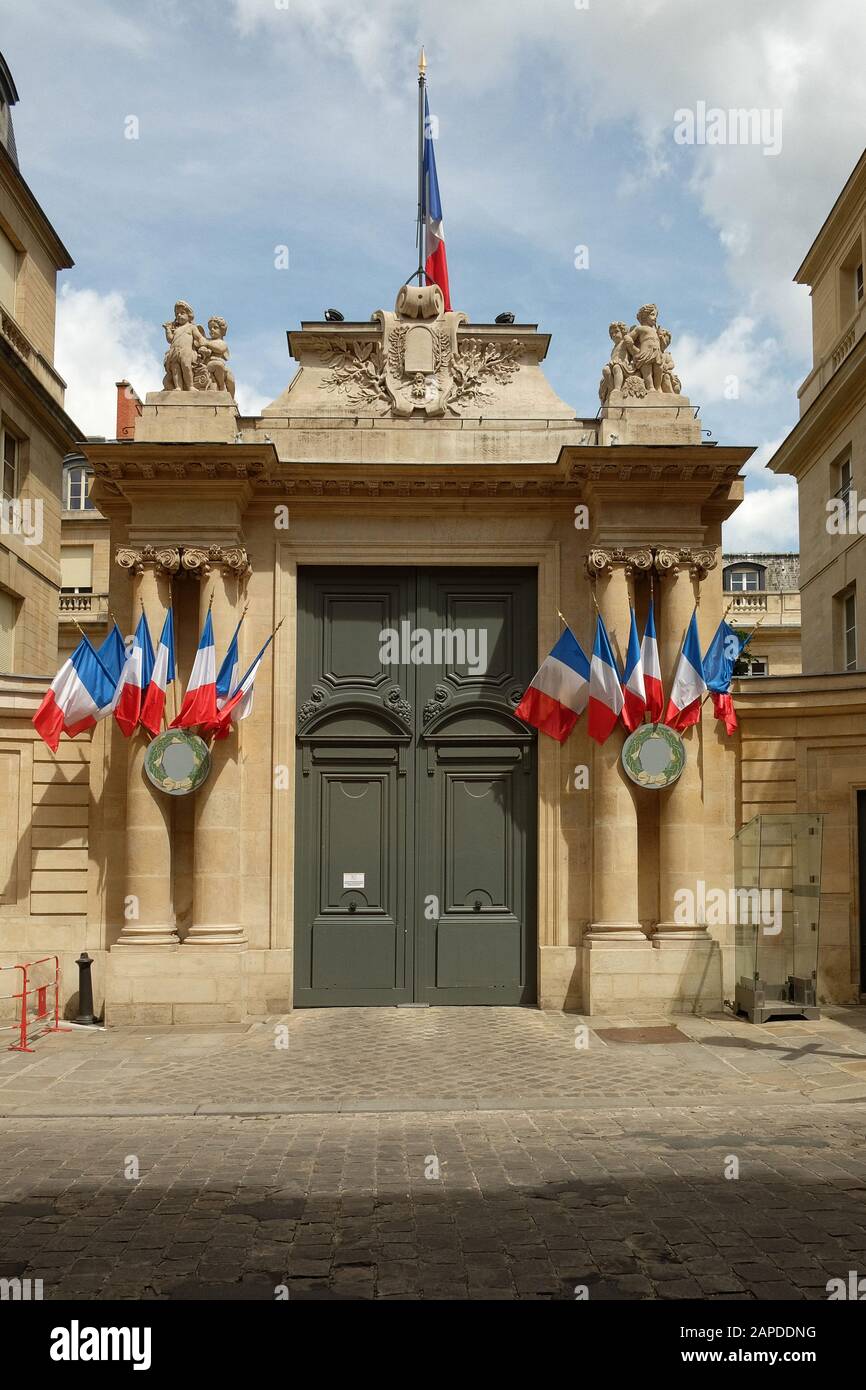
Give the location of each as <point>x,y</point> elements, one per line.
<point>322,1060</point>
<point>505,1205</point>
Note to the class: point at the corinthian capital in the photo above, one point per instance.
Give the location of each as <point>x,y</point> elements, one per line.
<point>164,559</point>
<point>199,561</point>
<point>698,562</point>
<point>600,561</point>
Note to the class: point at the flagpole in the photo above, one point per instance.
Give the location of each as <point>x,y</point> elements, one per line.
<point>419,233</point>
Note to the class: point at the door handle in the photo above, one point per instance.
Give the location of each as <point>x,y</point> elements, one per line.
<point>476,906</point>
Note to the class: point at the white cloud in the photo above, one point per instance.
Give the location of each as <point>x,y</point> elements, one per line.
<point>736,365</point>
<point>767,519</point>
<point>99,342</point>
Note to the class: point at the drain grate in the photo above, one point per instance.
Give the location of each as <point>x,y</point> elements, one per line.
<point>662,1034</point>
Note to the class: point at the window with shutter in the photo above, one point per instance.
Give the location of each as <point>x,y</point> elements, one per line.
<point>76,569</point>
<point>8,608</point>
<point>8,273</point>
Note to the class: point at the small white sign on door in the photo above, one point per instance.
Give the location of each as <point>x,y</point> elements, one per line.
<point>353,880</point>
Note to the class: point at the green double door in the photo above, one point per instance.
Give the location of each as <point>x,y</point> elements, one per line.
<point>415,872</point>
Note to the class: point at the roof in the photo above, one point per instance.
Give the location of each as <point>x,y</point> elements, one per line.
<point>805,273</point>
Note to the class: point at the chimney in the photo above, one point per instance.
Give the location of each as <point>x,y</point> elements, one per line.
<point>128,410</point>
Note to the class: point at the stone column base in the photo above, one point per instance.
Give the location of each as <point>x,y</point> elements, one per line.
<point>153,937</point>
<point>620,932</point>
<point>680,973</point>
<point>228,936</point>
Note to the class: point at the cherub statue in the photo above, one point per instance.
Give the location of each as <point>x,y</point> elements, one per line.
<point>214,352</point>
<point>644,346</point>
<point>670,381</point>
<point>184,338</point>
<point>614,372</point>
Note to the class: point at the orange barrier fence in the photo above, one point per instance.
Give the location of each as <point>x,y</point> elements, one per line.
<point>37,995</point>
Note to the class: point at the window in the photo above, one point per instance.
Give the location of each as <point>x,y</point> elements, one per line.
<point>843,491</point>
<point>8,614</point>
<point>851,283</point>
<point>76,569</point>
<point>744,581</point>
<point>751,666</point>
<point>76,490</point>
<point>9,447</point>
<point>849,632</point>
<point>8,273</point>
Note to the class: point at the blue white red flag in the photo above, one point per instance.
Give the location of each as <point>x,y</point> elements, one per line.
<point>240,704</point>
<point>605,688</point>
<point>689,687</point>
<point>558,692</point>
<point>134,679</point>
<point>634,694</point>
<point>435,262</point>
<point>153,704</point>
<point>78,696</point>
<point>652,671</point>
<point>227,675</point>
<point>199,702</point>
<point>719,661</point>
<point>112,655</point>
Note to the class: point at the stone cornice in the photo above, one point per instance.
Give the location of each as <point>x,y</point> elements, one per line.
<point>118,463</point>
<point>654,463</point>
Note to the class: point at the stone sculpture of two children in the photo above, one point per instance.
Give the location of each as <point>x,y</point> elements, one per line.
<point>639,360</point>
<point>194,360</point>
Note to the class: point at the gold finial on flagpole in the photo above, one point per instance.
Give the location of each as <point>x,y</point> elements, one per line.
<point>422,63</point>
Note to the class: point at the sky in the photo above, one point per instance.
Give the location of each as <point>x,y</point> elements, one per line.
<point>571,192</point>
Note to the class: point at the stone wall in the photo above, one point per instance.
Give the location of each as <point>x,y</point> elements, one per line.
<point>803,748</point>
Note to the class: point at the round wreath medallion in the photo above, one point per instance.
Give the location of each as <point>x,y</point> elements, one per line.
<point>654,756</point>
<point>177,762</point>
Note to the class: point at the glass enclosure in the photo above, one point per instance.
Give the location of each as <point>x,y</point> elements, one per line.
<point>776,904</point>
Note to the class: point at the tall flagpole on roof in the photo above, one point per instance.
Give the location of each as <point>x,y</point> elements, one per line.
<point>419,231</point>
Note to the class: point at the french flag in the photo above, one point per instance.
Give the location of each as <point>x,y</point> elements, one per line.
<point>652,671</point>
<point>719,661</point>
<point>79,695</point>
<point>161,678</point>
<point>227,675</point>
<point>689,687</point>
<point>557,694</point>
<point>435,262</point>
<point>112,655</point>
<point>605,688</point>
<point>134,679</point>
<point>634,694</point>
<point>199,702</point>
<point>240,705</point>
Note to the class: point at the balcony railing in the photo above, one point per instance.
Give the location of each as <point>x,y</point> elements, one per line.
<point>780,607</point>
<point>92,608</point>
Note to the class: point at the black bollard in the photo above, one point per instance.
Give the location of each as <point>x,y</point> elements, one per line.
<point>85,990</point>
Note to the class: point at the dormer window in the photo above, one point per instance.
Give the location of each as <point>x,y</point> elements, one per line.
<point>743,579</point>
<point>76,490</point>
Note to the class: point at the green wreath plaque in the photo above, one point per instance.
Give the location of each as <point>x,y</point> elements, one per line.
<point>177,762</point>
<point>654,756</point>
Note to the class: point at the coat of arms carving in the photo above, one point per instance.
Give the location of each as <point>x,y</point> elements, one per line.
<point>417,365</point>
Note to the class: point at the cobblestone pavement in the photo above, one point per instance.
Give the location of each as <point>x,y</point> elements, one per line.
<point>423,1059</point>
<point>631,1204</point>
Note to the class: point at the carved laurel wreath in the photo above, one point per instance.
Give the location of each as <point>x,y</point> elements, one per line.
<point>359,369</point>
